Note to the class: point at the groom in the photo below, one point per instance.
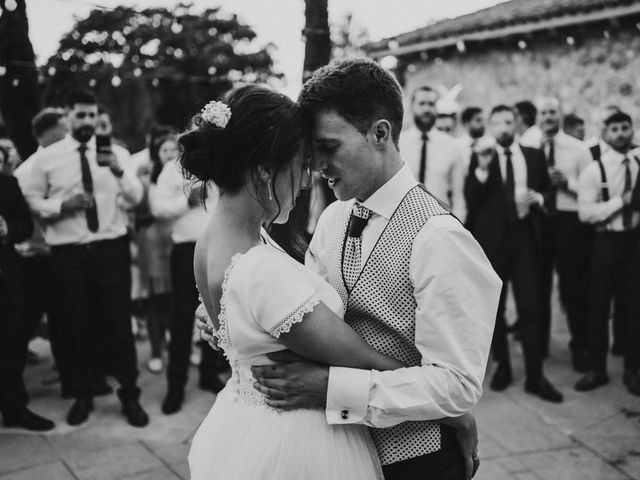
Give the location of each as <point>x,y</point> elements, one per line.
<point>415,284</point>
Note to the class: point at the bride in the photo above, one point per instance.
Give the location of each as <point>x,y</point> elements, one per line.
<point>254,147</point>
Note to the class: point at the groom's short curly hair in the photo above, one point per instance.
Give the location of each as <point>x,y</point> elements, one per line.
<point>359,90</point>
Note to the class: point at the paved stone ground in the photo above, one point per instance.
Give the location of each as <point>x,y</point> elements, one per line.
<point>593,436</point>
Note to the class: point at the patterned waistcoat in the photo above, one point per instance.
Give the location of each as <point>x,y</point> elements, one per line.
<point>381,308</point>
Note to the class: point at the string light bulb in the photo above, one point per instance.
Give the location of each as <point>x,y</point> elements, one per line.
<point>116,81</point>
<point>3,70</point>
<point>10,5</point>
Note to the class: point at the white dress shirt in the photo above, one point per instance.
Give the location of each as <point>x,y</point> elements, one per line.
<point>457,294</point>
<point>571,157</point>
<point>591,207</point>
<point>444,176</point>
<point>56,175</point>
<point>169,200</point>
<point>531,137</point>
<point>34,245</point>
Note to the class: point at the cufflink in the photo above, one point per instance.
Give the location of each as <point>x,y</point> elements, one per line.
<point>344,414</point>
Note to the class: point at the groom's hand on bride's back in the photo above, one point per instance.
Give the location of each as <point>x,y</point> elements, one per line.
<point>292,382</point>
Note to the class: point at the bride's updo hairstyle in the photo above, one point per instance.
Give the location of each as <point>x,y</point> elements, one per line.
<point>265,129</point>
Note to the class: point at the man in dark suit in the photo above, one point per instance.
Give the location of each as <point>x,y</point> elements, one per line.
<point>15,226</point>
<point>505,191</point>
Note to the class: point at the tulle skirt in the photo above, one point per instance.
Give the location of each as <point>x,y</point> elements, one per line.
<point>242,441</point>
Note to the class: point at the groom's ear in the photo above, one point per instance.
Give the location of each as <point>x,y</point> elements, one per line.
<point>381,132</point>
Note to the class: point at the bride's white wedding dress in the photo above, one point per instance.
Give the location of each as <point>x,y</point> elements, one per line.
<point>264,293</point>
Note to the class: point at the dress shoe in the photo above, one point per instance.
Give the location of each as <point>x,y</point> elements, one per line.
<point>543,388</point>
<point>136,416</point>
<point>501,378</point>
<point>213,384</point>
<point>28,420</point>
<point>172,403</point>
<point>591,381</point>
<point>632,382</point>
<point>580,361</point>
<point>80,410</point>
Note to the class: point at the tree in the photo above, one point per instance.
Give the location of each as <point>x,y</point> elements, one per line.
<point>348,37</point>
<point>19,97</point>
<point>317,51</point>
<point>156,65</point>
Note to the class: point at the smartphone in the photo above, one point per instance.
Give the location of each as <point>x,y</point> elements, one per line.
<point>103,145</point>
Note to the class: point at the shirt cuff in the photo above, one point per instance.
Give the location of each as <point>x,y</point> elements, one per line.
<point>482,175</point>
<point>347,395</point>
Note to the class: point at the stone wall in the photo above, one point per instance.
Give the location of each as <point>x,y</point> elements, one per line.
<point>600,67</point>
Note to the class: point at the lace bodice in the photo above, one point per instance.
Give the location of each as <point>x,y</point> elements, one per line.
<point>264,293</point>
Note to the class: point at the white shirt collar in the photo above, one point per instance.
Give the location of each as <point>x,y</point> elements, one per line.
<point>386,199</point>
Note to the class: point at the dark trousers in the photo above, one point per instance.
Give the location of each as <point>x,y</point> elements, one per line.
<point>40,299</point>
<point>615,270</point>
<point>159,310</point>
<point>13,345</point>
<point>566,246</point>
<point>518,262</point>
<point>93,284</point>
<point>445,464</point>
<point>185,296</point>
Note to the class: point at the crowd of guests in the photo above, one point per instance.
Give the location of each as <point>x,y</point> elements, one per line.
<point>81,211</point>
<point>540,199</point>
<point>70,217</point>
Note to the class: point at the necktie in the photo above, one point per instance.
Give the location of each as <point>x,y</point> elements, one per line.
<point>353,245</point>
<point>87,183</point>
<point>423,157</point>
<point>627,211</point>
<point>510,186</point>
<point>551,161</point>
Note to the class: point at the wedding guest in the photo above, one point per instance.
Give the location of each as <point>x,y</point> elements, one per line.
<point>15,226</point>
<point>597,147</point>
<point>446,123</point>
<point>504,191</point>
<point>154,250</point>
<point>432,156</point>
<point>84,197</point>
<point>573,125</point>
<point>49,127</point>
<point>526,126</point>
<point>14,157</point>
<point>156,131</point>
<point>176,200</point>
<point>609,199</point>
<point>566,241</point>
<point>472,119</point>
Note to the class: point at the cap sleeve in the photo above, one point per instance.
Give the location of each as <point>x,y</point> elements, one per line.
<point>278,294</point>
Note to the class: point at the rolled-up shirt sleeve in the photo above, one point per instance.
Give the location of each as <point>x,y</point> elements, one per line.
<point>35,188</point>
<point>590,210</point>
<point>457,293</point>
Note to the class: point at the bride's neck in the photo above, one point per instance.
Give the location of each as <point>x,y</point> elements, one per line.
<point>243,213</point>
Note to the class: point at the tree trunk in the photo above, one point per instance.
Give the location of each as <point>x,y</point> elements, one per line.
<point>19,92</point>
<point>317,50</point>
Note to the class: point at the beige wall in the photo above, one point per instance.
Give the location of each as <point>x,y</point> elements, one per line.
<point>594,72</point>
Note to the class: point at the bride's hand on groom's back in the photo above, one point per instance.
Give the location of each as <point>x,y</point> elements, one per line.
<point>293,382</point>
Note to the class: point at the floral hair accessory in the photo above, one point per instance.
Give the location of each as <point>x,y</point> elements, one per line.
<point>216,113</point>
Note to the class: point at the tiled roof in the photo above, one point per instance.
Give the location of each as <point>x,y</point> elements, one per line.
<point>506,14</point>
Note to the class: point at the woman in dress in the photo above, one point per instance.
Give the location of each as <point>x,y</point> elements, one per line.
<point>254,148</point>
<point>154,250</point>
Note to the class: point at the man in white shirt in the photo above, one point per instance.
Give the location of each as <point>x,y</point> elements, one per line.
<point>609,199</point>
<point>423,291</point>
<point>526,126</point>
<point>566,241</point>
<point>179,200</point>
<point>83,197</point>
<point>49,126</point>
<point>433,156</point>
